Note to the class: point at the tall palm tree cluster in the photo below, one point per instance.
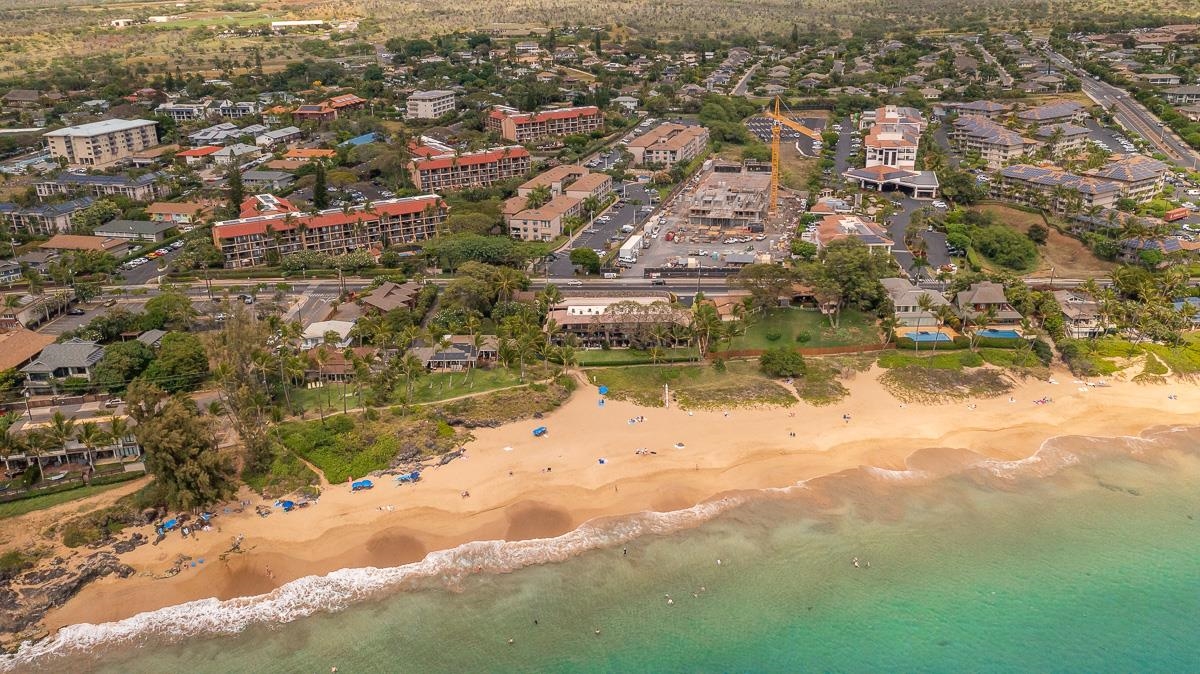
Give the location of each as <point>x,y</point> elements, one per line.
<point>57,436</point>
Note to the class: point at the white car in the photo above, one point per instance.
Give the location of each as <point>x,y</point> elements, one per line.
<point>1193,193</point>
<point>939,204</point>
<point>574,282</point>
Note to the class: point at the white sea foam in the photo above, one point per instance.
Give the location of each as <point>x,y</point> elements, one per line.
<point>338,590</point>
<point>896,475</point>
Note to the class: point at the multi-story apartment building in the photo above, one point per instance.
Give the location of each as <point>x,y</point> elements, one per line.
<point>145,187</point>
<point>184,112</point>
<point>1021,182</point>
<point>571,180</point>
<point>255,240</point>
<point>1139,177</point>
<point>237,109</point>
<point>102,144</point>
<point>1053,112</point>
<point>449,171</point>
<point>591,185</point>
<point>525,127</point>
<point>668,144</point>
<point>429,104</point>
<point>908,119</point>
<point>1185,95</point>
<point>44,219</point>
<point>617,322</point>
<point>544,223</point>
<point>993,143</point>
<point>1063,138</point>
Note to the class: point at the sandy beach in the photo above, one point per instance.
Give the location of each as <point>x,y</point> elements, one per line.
<point>523,487</point>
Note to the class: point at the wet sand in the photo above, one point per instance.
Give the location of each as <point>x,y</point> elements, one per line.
<point>547,486</point>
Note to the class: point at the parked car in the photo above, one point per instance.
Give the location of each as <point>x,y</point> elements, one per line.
<point>574,282</point>
<point>75,311</point>
<point>113,402</point>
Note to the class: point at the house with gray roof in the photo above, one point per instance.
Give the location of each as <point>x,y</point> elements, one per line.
<point>1185,95</point>
<point>146,187</point>
<point>135,230</point>
<point>74,358</point>
<point>906,302</point>
<point>1055,111</point>
<point>972,302</point>
<point>43,219</point>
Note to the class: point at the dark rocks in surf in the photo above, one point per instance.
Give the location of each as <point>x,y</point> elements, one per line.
<point>25,602</point>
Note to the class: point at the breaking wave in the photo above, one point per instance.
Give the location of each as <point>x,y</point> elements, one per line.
<point>340,589</point>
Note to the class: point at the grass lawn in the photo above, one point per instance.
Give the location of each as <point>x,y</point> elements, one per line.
<point>28,505</point>
<point>855,328</point>
<point>328,397</point>
<point>632,356</point>
<point>444,385</point>
<point>694,386</point>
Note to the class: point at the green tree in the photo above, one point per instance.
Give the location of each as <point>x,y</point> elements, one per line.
<point>237,191</point>
<point>170,310</point>
<point>91,436</point>
<point>320,198</point>
<point>782,361</point>
<point>181,363</point>
<point>120,364</point>
<point>766,283</point>
<point>587,259</point>
<point>538,197</point>
<point>806,251</point>
<point>181,449</point>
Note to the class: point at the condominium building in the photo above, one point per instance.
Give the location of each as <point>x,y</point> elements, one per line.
<point>993,143</point>
<point>668,144</point>
<point>258,239</point>
<point>1055,111</point>
<point>43,219</point>
<point>449,171</point>
<point>1185,95</point>
<point>102,144</point>
<point>904,118</point>
<point>730,200</point>
<point>429,104</point>
<point>1139,177</point>
<point>145,187</point>
<point>525,127</point>
<point>988,109</point>
<point>1022,182</point>
<point>618,322</point>
<point>1064,138</point>
<point>544,223</point>
<point>891,145</point>
<point>184,112</point>
<point>570,180</point>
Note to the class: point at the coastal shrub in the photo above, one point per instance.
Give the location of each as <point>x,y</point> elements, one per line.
<point>913,383</point>
<point>803,337</point>
<point>773,335</point>
<point>782,362</point>
<point>820,386</point>
<point>1043,351</point>
<point>14,562</point>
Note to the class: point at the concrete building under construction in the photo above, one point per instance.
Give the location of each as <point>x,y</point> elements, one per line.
<point>731,200</point>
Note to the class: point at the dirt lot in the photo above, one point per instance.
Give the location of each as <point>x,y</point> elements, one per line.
<point>1066,255</point>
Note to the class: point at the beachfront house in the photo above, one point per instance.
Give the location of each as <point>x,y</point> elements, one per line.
<point>1081,314</point>
<point>971,303</point>
<point>455,353</point>
<point>906,302</point>
<point>72,359</point>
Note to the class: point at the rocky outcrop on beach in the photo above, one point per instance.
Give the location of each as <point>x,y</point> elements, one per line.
<point>26,599</point>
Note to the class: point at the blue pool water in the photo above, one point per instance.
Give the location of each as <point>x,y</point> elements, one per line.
<point>1000,334</point>
<point>923,336</point>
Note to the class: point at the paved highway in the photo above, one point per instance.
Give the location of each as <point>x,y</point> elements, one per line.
<point>1132,114</point>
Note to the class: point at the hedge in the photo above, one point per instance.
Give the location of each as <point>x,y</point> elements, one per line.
<point>111,478</point>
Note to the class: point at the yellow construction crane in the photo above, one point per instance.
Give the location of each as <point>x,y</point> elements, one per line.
<point>780,121</point>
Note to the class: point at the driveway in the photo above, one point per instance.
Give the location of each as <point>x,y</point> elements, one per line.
<point>935,242</point>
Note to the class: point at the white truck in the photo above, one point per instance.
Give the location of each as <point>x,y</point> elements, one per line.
<point>630,250</point>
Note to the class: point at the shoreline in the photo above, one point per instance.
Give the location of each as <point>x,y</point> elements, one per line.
<point>513,497</point>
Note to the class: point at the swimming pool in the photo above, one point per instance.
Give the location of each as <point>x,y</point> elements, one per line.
<point>1000,334</point>
<point>923,336</point>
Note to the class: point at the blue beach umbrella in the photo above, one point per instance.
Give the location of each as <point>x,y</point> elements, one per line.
<point>603,390</point>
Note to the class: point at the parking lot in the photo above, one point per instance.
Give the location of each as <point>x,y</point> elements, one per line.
<point>604,234</point>
<point>150,270</point>
<point>760,127</point>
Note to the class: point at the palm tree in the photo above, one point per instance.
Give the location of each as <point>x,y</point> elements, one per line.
<point>412,368</point>
<point>118,429</point>
<point>61,430</point>
<point>91,436</point>
<point>538,197</point>
<point>888,326</point>
<point>38,443</point>
<point>925,305</point>
<point>706,322</point>
<point>944,315</point>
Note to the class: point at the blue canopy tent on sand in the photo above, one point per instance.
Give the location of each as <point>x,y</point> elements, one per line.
<point>603,390</point>
<point>361,484</point>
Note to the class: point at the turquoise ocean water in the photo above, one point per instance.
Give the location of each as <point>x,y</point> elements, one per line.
<point>1084,559</point>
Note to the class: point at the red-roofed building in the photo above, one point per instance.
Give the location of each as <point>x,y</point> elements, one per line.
<point>264,238</point>
<point>347,102</point>
<point>196,156</point>
<point>317,112</point>
<point>449,171</point>
<point>523,127</point>
<point>265,204</point>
